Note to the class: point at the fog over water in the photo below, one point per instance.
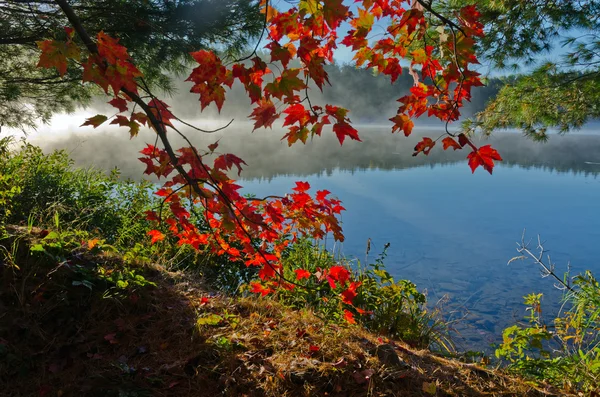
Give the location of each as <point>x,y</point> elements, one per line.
<point>268,156</point>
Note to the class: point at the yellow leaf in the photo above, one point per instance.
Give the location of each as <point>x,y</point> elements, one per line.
<point>310,6</point>
<point>419,56</point>
<point>429,388</point>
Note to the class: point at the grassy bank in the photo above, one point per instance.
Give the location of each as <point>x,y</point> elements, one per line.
<point>69,328</point>
<point>89,307</point>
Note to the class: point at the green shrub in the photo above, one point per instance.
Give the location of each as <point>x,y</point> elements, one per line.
<point>35,187</point>
<point>392,308</point>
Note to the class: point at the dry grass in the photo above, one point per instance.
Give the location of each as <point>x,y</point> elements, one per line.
<point>63,340</point>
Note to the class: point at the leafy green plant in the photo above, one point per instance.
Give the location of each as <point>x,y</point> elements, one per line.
<point>58,243</point>
<point>35,187</point>
<point>398,309</point>
<point>124,278</point>
<point>566,351</point>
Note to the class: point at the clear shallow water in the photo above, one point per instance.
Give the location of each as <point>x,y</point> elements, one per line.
<point>451,232</point>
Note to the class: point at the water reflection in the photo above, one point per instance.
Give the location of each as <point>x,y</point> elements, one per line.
<point>268,157</point>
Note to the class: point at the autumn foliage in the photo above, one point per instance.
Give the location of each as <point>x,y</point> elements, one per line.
<point>437,49</point>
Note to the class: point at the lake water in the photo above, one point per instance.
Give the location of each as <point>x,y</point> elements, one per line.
<point>450,231</point>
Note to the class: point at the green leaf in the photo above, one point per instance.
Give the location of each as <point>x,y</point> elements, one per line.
<point>37,248</point>
<point>211,319</point>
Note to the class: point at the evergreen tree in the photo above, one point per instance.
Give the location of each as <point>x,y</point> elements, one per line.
<point>159,35</point>
<point>562,94</point>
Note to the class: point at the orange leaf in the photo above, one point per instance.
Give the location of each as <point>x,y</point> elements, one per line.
<point>56,53</point>
<point>419,56</point>
<point>449,142</point>
<point>258,288</point>
<point>296,133</point>
<point>296,114</point>
<point>109,49</point>
<point>402,122</point>
<point>92,243</point>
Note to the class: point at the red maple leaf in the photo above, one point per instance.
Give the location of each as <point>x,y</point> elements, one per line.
<point>485,157</point>
<point>343,129</point>
<point>264,114</point>
<point>228,161</point>
<point>424,146</point>
<point>281,53</point>
<point>302,273</point>
<point>334,13</point>
<point>296,114</point>
<point>161,111</point>
<point>110,49</point>
<point>119,103</point>
<point>301,187</point>
<point>349,317</point>
<point>156,236</point>
<point>258,288</point>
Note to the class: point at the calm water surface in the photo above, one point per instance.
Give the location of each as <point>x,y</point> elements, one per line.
<point>450,231</point>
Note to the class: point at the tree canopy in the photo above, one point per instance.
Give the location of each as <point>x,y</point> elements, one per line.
<point>561,93</point>
<point>158,34</point>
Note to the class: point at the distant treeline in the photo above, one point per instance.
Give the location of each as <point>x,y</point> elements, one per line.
<point>371,97</point>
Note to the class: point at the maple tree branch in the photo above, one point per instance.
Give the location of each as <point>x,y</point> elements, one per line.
<point>159,128</point>
<point>93,48</point>
<point>212,183</point>
<point>427,6</point>
<point>203,130</point>
<point>150,95</point>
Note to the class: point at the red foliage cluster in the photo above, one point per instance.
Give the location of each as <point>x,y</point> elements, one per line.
<point>254,231</point>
